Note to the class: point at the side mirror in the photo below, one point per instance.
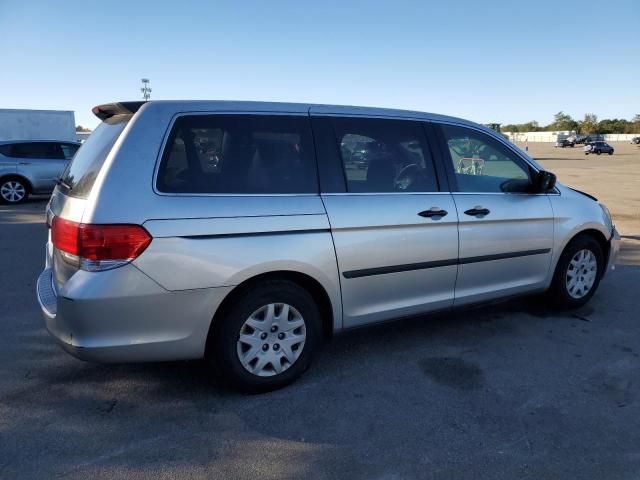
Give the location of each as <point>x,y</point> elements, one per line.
<point>544,181</point>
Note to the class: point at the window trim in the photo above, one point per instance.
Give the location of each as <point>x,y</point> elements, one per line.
<point>167,135</point>
<point>431,132</point>
<point>453,183</point>
<point>440,182</point>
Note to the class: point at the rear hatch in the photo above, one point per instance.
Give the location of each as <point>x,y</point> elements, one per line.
<point>70,197</point>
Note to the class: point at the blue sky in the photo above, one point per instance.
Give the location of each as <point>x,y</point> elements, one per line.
<point>504,61</point>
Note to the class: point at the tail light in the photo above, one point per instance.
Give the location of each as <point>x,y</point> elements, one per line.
<point>98,247</point>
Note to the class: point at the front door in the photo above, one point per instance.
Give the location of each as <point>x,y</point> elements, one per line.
<point>394,232</point>
<point>506,231</point>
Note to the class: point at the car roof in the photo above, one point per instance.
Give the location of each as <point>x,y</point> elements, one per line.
<point>9,142</point>
<point>110,109</point>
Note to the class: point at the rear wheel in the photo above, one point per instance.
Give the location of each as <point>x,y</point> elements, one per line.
<point>267,337</point>
<point>13,190</point>
<point>578,273</point>
<point>598,152</point>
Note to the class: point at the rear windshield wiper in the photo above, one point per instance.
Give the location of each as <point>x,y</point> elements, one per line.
<point>60,181</point>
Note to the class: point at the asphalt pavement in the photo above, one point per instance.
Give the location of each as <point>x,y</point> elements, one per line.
<point>511,390</point>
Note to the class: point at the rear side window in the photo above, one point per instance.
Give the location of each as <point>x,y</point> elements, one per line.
<point>80,175</point>
<point>384,155</point>
<point>35,150</point>
<point>245,154</point>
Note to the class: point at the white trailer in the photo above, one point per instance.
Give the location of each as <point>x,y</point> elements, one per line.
<point>18,124</point>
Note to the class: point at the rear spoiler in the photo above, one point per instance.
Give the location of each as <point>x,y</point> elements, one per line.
<point>108,110</point>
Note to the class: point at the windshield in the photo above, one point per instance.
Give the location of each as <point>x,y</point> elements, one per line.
<point>77,180</point>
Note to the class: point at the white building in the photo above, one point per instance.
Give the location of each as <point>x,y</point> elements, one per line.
<point>539,136</point>
<point>555,136</point>
<point>19,124</point>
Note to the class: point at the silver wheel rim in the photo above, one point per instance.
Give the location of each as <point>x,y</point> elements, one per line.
<point>581,273</point>
<point>271,339</point>
<point>12,191</point>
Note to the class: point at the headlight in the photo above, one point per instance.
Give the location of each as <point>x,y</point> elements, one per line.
<point>607,214</point>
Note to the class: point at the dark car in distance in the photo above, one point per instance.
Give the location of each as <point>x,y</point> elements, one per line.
<point>565,142</point>
<point>598,148</point>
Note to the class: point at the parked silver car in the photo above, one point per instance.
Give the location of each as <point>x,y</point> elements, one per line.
<point>241,232</point>
<point>33,166</point>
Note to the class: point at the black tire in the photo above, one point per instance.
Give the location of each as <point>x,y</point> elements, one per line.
<point>558,293</point>
<point>610,152</point>
<point>598,152</point>
<point>222,346</point>
<point>14,180</point>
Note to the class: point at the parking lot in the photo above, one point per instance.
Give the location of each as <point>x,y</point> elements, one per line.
<point>511,390</point>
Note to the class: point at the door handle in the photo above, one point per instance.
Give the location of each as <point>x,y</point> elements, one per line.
<point>477,211</point>
<point>433,212</point>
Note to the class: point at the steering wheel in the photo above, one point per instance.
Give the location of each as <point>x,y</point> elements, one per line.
<point>406,176</point>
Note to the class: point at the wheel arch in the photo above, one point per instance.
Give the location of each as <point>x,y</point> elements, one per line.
<point>27,182</point>
<point>313,286</point>
<point>596,234</point>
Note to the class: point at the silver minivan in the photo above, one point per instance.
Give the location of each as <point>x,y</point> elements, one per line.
<point>245,233</point>
<point>32,166</point>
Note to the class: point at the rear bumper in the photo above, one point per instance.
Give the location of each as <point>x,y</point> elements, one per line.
<point>122,315</point>
<point>614,248</point>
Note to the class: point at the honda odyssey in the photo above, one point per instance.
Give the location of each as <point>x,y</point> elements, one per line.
<point>246,233</point>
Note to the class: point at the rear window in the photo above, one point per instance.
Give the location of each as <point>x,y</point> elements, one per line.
<point>244,154</point>
<point>78,178</point>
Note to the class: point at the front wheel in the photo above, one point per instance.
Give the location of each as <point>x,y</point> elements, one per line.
<point>13,190</point>
<point>611,152</point>
<point>578,273</point>
<point>267,337</point>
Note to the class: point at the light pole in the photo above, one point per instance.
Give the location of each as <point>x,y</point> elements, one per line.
<point>146,89</point>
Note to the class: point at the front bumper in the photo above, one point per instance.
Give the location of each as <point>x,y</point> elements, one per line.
<point>614,248</point>
<point>121,315</point>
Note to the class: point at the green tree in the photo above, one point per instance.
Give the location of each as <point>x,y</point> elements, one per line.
<point>616,125</point>
<point>562,121</point>
<point>589,124</point>
<point>80,128</point>
<point>531,126</point>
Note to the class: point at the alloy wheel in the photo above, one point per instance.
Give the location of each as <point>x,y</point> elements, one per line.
<point>13,191</point>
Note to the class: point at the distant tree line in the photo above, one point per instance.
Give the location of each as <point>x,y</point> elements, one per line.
<point>589,124</point>
<point>80,128</point>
